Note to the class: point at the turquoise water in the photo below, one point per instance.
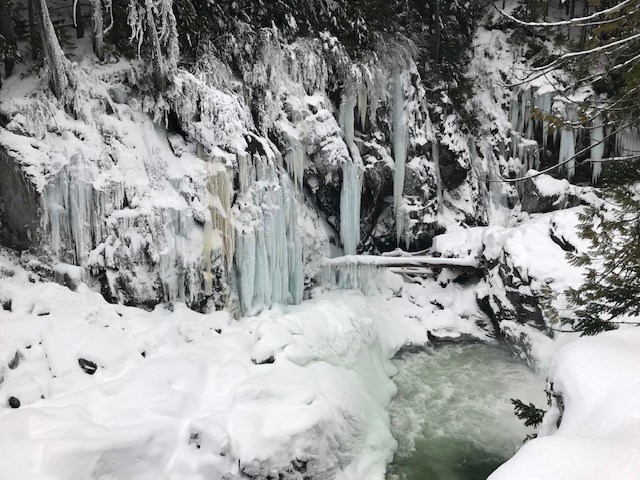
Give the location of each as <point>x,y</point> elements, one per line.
<point>452,417</point>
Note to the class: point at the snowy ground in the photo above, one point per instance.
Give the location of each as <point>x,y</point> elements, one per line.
<point>108,391</point>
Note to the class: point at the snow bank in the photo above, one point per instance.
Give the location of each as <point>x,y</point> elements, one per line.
<point>597,433</point>
<point>109,390</point>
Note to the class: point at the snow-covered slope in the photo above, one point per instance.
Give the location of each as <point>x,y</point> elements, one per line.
<point>109,391</point>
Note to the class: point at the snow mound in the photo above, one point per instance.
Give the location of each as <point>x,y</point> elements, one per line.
<point>92,390</point>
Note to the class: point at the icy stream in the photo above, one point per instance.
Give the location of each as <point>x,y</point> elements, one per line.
<point>452,416</point>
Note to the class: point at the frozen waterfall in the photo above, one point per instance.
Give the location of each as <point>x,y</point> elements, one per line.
<point>268,245</point>
<point>351,181</point>
<point>350,207</point>
<point>399,152</point>
<point>597,148</point>
<point>218,229</point>
<point>568,143</point>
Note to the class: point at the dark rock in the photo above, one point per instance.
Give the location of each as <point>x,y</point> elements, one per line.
<point>452,171</point>
<point>88,366</point>
<point>14,402</point>
<point>538,199</point>
<point>15,361</point>
<point>442,339</point>
<point>265,361</point>
<point>20,205</point>
<point>562,243</point>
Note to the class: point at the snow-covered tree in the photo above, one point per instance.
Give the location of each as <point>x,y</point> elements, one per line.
<point>55,61</point>
<point>8,48</point>
<point>153,24</point>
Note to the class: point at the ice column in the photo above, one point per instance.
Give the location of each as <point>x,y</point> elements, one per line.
<point>399,152</point>
<point>597,148</point>
<point>218,229</point>
<point>351,181</point>
<point>362,106</point>
<point>435,154</point>
<point>269,259</point>
<point>294,159</point>
<point>568,143</point>
<point>350,207</point>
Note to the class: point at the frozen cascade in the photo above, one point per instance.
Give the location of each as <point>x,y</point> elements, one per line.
<point>218,228</point>
<point>350,207</point>
<point>362,106</point>
<point>74,211</point>
<point>628,142</point>
<point>268,245</point>
<point>351,181</point>
<point>568,143</point>
<point>542,101</point>
<point>435,153</point>
<point>294,159</point>
<point>351,276</point>
<point>596,135</point>
<point>399,152</point>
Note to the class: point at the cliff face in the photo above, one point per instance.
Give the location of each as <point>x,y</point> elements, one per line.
<point>276,149</point>
<point>227,191</point>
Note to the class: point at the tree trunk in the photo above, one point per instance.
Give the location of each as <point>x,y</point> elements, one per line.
<point>54,57</point>
<point>97,29</point>
<point>33,34</point>
<point>6,30</point>
<point>158,61</point>
<point>79,20</point>
<point>437,32</point>
<point>583,30</point>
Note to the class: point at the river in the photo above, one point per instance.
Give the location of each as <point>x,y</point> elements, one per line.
<point>452,416</point>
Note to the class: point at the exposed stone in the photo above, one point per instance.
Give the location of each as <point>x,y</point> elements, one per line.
<point>87,366</point>
<point>544,194</point>
<point>453,172</point>
<point>19,205</point>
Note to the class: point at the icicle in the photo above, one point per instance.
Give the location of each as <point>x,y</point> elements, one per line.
<point>435,154</point>
<point>362,106</point>
<point>568,143</point>
<point>542,102</point>
<point>269,259</point>
<point>218,229</point>
<point>399,152</point>
<point>628,142</point>
<point>351,276</point>
<point>597,148</point>
<point>351,181</point>
<point>350,207</point>
<point>527,101</point>
<point>294,159</point>
<point>347,118</point>
<point>514,113</point>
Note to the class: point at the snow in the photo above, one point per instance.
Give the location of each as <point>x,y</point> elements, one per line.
<point>178,394</point>
<point>599,432</point>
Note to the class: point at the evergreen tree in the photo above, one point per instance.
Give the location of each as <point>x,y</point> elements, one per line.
<point>607,57</point>
<point>610,292</point>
